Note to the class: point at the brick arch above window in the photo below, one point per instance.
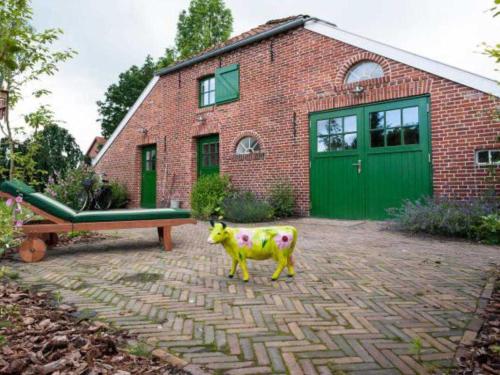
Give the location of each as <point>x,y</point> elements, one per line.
<point>253,156</point>
<point>361,57</point>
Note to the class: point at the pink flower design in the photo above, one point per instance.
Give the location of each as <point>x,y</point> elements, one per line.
<point>19,223</point>
<point>9,202</point>
<point>19,199</point>
<point>244,238</point>
<point>283,240</point>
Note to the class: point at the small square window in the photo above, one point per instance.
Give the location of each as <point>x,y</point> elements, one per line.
<point>207,91</point>
<point>488,157</point>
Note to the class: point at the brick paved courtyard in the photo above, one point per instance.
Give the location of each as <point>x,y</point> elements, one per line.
<point>362,295</point>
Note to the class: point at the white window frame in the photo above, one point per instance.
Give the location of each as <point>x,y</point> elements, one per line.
<point>489,163</point>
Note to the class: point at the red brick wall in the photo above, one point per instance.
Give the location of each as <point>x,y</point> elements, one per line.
<point>306,75</point>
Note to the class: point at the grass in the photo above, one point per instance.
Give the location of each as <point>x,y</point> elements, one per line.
<point>8,273</point>
<point>3,340</point>
<point>139,349</point>
<point>416,347</point>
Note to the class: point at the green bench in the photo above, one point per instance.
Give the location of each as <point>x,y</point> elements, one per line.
<point>61,218</point>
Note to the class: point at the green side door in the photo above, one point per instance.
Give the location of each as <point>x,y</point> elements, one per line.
<point>386,160</point>
<point>208,155</point>
<point>148,177</point>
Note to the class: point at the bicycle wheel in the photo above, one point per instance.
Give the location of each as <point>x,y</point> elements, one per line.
<point>82,200</point>
<point>103,198</point>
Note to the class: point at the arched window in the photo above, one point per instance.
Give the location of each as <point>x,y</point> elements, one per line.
<point>363,71</point>
<point>247,145</point>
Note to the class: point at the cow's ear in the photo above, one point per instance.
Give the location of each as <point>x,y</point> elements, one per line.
<point>223,225</point>
<point>212,223</point>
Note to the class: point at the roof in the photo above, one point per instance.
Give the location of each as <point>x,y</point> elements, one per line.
<point>99,140</point>
<point>475,81</point>
<point>275,27</point>
<point>254,35</point>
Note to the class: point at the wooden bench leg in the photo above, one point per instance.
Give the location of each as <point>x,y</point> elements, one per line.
<point>166,238</point>
<point>33,249</point>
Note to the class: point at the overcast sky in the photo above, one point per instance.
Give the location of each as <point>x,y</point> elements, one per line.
<point>112,35</point>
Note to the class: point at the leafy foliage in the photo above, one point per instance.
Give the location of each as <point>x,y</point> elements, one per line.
<point>25,56</point>
<point>207,195</point>
<point>119,97</point>
<point>57,151</point>
<point>205,24</point>
<point>68,188</point>
<point>282,199</point>
<point>119,195</point>
<point>12,216</point>
<point>488,229</point>
<point>245,207</point>
<point>444,216</point>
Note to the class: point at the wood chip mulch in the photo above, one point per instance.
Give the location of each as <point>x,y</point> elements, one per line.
<point>38,338</point>
<point>483,357</point>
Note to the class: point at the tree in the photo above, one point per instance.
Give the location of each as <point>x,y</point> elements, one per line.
<point>25,56</point>
<point>119,97</point>
<point>205,24</point>
<point>57,151</point>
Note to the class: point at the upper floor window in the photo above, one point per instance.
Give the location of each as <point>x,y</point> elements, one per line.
<point>247,145</point>
<point>207,91</point>
<point>363,71</point>
<point>488,157</point>
<point>222,87</point>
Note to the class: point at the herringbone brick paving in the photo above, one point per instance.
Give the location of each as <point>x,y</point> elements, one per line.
<point>362,295</point>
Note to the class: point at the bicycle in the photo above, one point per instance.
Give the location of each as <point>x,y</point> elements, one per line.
<point>91,198</point>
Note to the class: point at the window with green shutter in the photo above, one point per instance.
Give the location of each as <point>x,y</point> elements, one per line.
<point>227,84</point>
<point>207,91</point>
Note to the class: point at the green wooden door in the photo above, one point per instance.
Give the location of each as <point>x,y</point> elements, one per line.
<point>367,159</point>
<point>148,180</point>
<point>208,155</point>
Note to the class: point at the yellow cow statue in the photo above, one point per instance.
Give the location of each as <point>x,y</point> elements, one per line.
<point>277,242</point>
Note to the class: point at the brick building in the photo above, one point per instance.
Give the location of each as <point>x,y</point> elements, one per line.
<point>95,147</point>
<point>355,125</point>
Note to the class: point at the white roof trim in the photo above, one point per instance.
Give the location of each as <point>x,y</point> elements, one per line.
<point>463,77</point>
<point>125,120</point>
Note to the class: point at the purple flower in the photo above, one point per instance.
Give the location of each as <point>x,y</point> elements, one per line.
<point>283,240</point>
<point>244,239</point>
<point>9,202</point>
<point>19,199</point>
<point>19,223</point>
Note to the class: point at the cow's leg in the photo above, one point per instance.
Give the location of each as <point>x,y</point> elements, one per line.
<point>281,264</point>
<point>233,267</point>
<point>289,265</point>
<point>244,269</point>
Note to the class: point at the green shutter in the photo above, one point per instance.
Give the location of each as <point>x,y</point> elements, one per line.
<point>227,84</point>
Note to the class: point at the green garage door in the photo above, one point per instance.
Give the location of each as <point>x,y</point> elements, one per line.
<point>367,159</point>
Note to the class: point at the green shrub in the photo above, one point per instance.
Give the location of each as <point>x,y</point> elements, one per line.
<point>12,217</point>
<point>282,199</point>
<point>68,189</point>
<point>444,216</point>
<point>245,207</point>
<point>207,195</point>
<point>488,230</point>
<point>119,195</point>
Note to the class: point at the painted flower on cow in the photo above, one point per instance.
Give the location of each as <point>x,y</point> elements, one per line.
<point>244,238</point>
<point>283,240</point>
